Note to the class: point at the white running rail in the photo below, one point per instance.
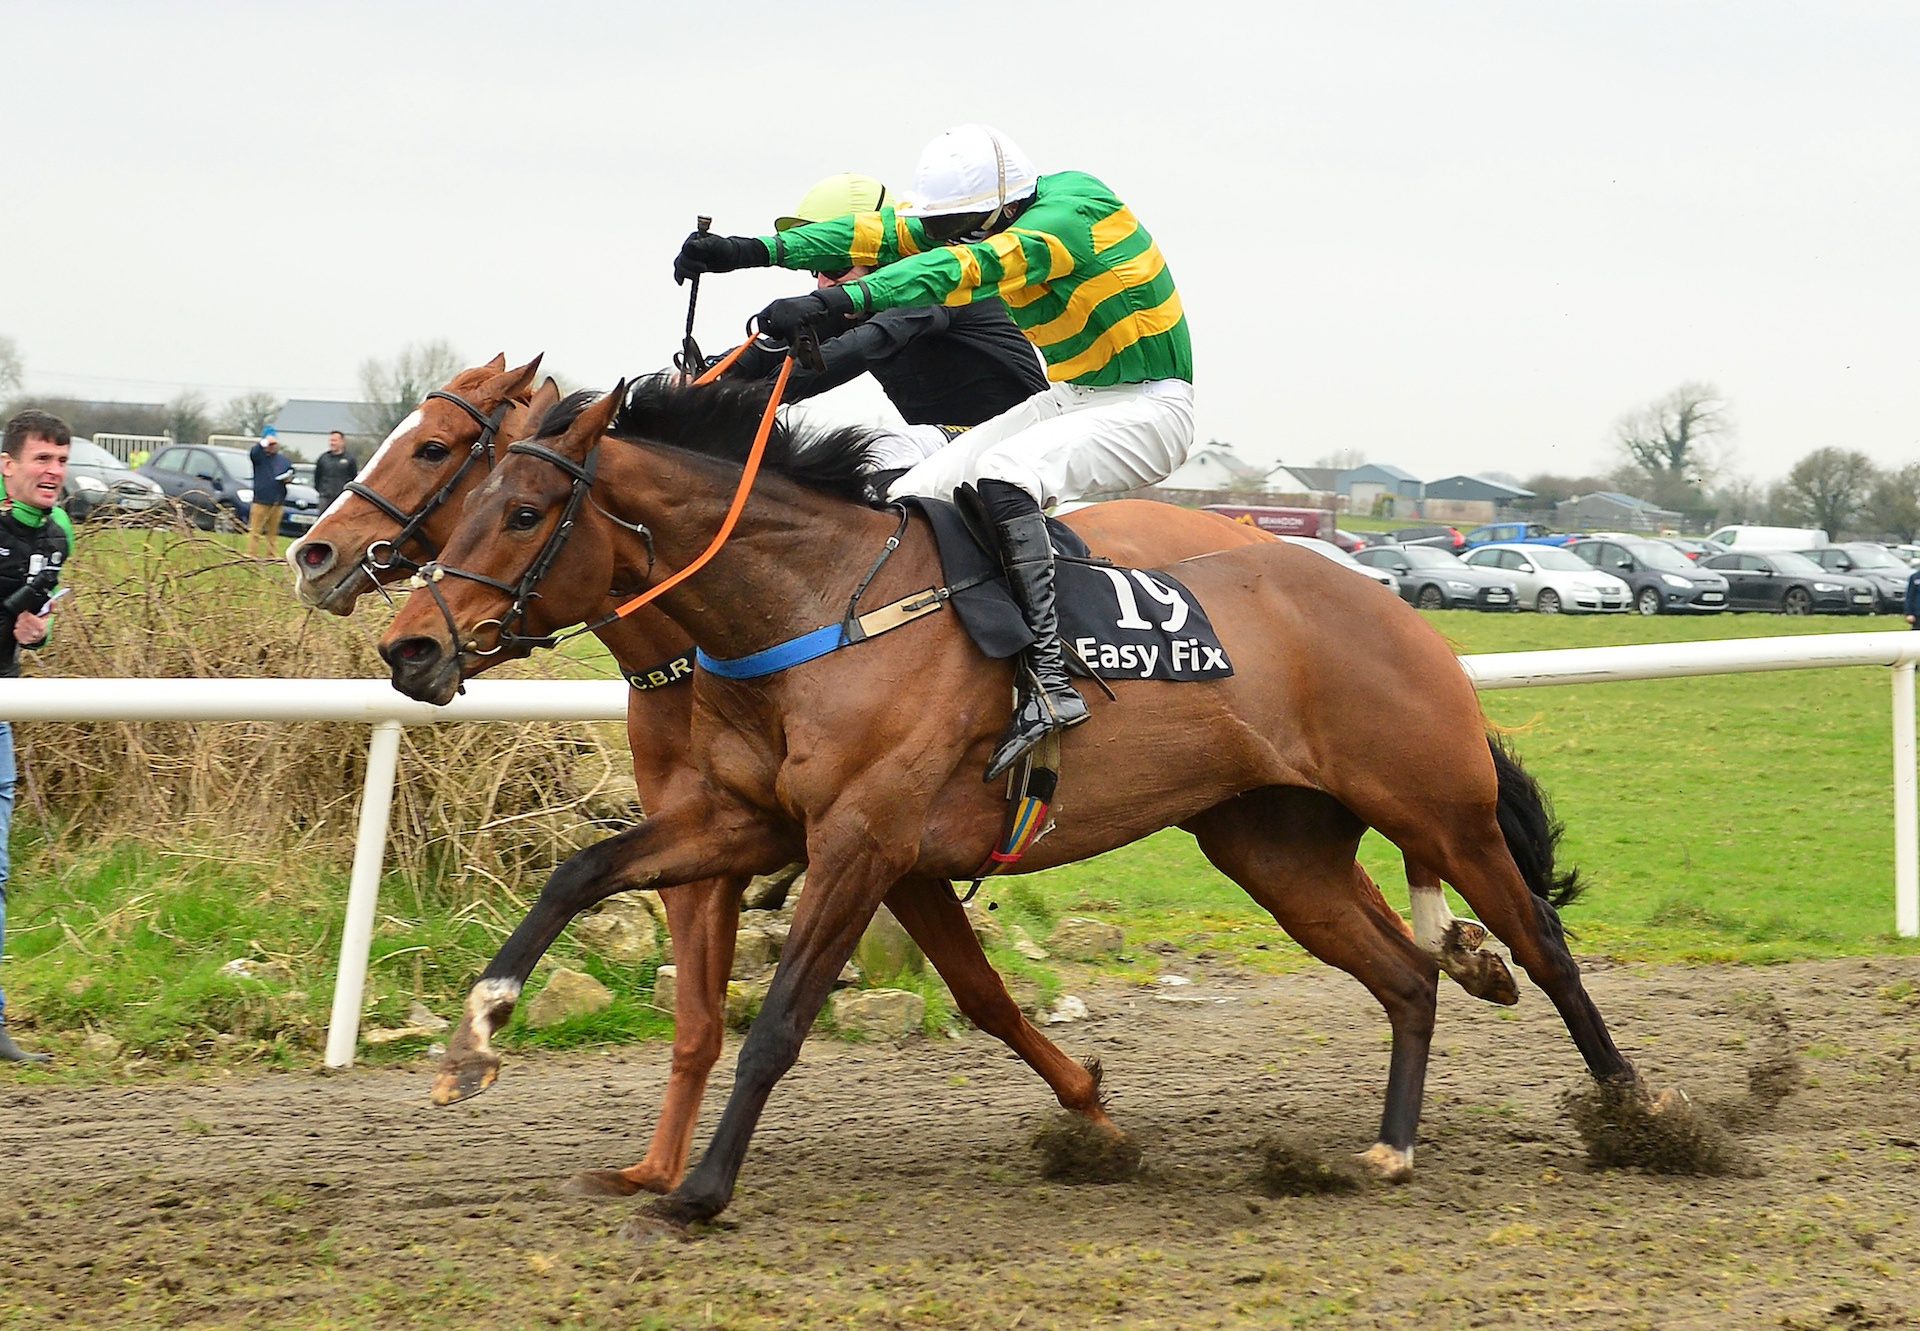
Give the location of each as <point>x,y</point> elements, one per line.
<point>374,703</point>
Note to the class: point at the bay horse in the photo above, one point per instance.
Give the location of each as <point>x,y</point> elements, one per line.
<point>1346,711</point>
<point>398,513</point>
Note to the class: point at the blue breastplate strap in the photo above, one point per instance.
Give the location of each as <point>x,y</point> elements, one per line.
<point>781,656</point>
<point>826,639</point>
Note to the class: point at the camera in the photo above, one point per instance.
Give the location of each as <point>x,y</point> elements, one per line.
<point>33,593</point>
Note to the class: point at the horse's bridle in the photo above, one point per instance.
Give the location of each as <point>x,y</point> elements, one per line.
<point>524,592</point>
<point>411,524</point>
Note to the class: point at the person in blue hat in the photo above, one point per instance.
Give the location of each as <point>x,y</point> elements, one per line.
<point>271,472</point>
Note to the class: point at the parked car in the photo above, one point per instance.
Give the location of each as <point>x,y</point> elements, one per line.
<point>1878,565</point>
<point>1910,553</point>
<point>214,487</point>
<point>1348,541</point>
<point>1331,551</point>
<point>1446,538</point>
<point>1662,580</point>
<point>1514,533</point>
<point>1789,583</point>
<point>1552,578</point>
<point>1695,548</point>
<point>1440,580</point>
<point>1750,537</point>
<point>100,483</point>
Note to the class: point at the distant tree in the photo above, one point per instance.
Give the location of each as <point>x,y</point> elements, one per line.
<point>90,418</point>
<point>1893,504</point>
<point>1670,439</point>
<point>1550,489</point>
<point>12,368</point>
<point>1342,459</point>
<point>188,418</point>
<point>250,413</point>
<point>394,388</point>
<point>1827,488</point>
<point>1738,499</point>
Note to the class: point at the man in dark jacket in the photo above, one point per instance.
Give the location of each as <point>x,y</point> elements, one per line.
<point>333,470</point>
<point>35,537</point>
<point>1913,599</point>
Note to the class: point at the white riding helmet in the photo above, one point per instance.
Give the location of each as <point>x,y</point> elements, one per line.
<point>970,169</point>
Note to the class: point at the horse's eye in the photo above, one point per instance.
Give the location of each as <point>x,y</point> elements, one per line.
<point>524,518</point>
<point>434,452</point>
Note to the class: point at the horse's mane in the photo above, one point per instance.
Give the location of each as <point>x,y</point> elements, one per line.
<point>719,420</point>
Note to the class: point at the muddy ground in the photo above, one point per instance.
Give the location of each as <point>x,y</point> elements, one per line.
<point>897,1187</point>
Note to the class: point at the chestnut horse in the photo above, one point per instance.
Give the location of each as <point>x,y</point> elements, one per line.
<point>1346,711</point>
<point>398,514</point>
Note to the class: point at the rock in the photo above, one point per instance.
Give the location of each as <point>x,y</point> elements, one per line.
<point>666,987</point>
<point>770,890</point>
<point>246,968</point>
<point>569,993</point>
<point>744,998</point>
<point>1065,1008</point>
<point>101,1045</point>
<point>985,928</point>
<point>886,951</point>
<point>1024,945</point>
<point>621,931</point>
<point>753,954</point>
<point>419,1015</point>
<point>388,1034</point>
<point>776,929</point>
<point>849,975</point>
<point>890,1013</point>
<point>1086,940</point>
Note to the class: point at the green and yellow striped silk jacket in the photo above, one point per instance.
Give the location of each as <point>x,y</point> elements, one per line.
<point>1077,271</point>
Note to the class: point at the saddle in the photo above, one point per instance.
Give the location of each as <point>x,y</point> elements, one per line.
<point>1118,623</point>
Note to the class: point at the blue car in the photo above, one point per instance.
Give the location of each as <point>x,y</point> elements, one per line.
<point>1511,533</point>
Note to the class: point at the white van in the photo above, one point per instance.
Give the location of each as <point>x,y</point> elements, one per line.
<point>1741,537</point>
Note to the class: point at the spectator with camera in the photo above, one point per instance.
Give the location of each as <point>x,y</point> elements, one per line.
<point>35,538</point>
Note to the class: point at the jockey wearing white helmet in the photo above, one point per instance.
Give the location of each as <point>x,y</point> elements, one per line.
<point>1087,284</point>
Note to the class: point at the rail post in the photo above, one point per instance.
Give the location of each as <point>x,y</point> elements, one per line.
<point>363,893</point>
<point>1906,812</point>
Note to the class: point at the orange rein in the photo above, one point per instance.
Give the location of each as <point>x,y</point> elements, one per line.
<point>739,497</point>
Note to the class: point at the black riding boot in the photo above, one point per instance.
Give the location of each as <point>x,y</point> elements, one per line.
<point>13,1053</point>
<point>1028,557</point>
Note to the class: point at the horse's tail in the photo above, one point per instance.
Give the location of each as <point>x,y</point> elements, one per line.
<point>1531,831</point>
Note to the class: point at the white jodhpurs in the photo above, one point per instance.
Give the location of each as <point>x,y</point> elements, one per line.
<point>1068,443</point>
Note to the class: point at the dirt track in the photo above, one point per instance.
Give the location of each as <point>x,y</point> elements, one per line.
<point>896,1187</point>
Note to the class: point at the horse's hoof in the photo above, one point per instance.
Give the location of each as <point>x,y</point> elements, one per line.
<point>465,1080</point>
<point>647,1228</point>
<point>603,1183</point>
<point>1387,1163</point>
<point>1467,934</point>
<point>1482,974</point>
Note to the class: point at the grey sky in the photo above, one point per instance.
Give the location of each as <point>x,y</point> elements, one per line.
<point>1461,236</point>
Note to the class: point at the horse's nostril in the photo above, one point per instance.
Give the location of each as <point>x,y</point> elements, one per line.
<point>316,555</point>
<point>416,650</point>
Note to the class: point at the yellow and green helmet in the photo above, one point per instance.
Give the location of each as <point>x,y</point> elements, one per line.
<point>836,196</point>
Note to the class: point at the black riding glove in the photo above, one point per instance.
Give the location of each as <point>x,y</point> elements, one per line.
<point>822,309</point>
<point>704,252</point>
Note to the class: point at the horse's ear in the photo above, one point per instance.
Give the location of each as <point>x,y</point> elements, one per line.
<point>497,364</point>
<point>545,398</point>
<point>510,383</point>
<point>594,421</point>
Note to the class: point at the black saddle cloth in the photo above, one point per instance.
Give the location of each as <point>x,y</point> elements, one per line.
<point>1125,623</point>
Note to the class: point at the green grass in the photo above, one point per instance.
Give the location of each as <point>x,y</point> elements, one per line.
<point>1727,818</point>
<point>1732,818</point>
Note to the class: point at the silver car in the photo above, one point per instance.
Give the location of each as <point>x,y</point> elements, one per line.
<point>1552,578</point>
